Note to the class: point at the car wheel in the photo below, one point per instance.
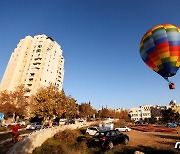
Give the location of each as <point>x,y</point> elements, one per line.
<point>126,130</point>
<point>126,141</point>
<point>110,145</point>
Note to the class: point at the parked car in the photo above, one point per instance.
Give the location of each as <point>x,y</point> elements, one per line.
<point>62,121</point>
<point>107,139</point>
<point>10,124</point>
<point>21,123</point>
<point>92,130</point>
<point>123,129</point>
<point>70,122</point>
<point>171,125</point>
<point>34,126</point>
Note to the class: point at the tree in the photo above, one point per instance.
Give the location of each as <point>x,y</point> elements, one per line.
<point>86,110</point>
<point>14,104</point>
<point>50,102</point>
<point>170,115</point>
<point>104,113</point>
<point>46,103</point>
<point>69,107</point>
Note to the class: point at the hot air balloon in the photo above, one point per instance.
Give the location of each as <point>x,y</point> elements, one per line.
<point>160,50</point>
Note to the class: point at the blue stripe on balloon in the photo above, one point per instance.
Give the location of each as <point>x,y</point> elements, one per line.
<point>146,59</point>
<point>144,55</point>
<point>174,43</point>
<point>173,70</point>
<point>165,39</point>
<point>151,50</point>
<point>168,70</point>
<point>158,32</point>
<point>149,43</point>
<point>165,71</point>
<point>157,37</point>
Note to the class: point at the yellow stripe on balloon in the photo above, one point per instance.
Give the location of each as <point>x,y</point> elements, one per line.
<point>148,34</point>
<point>141,44</point>
<point>158,62</point>
<point>173,58</point>
<point>178,64</point>
<point>156,69</point>
<point>170,26</point>
<point>164,55</point>
<point>156,27</point>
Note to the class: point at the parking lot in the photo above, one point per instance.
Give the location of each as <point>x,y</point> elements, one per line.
<point>156,140</point>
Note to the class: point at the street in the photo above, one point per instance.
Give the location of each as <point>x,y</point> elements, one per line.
<point>6,140</point>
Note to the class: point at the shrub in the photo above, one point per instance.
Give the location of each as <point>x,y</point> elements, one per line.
<point>81,146</point>
<point>66,135</point>
<point>119,123</point>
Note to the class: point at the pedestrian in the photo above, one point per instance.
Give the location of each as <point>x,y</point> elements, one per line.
<point>14,132</point>
<point>50,124</point>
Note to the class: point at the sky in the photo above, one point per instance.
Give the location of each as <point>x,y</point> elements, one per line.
<point>100,42</point>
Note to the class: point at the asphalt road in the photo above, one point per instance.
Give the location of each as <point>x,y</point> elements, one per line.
<point>6,140</point>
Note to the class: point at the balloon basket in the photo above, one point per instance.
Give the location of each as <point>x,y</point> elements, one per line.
<point>172,86</point>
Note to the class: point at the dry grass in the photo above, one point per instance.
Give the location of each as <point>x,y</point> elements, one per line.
<point>147,142</point>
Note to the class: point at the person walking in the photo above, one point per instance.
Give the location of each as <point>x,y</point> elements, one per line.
<point>14,132</point>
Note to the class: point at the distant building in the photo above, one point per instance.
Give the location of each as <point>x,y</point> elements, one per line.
<point>146,107</point>
<point>141,113</point>
<point>136,114</point>
<point>174,106</point>
<point>150,111</point>
<point>37,61</point>
<point>119,109</point>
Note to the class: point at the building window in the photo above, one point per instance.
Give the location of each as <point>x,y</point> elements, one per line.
<point>38,50</point>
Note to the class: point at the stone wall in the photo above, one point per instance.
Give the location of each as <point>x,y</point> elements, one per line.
<point>37,138</point>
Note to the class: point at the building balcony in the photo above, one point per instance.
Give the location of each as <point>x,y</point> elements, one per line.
<point>37,67</point>
<point>27,94</point>
<point>38,58</point>
<point>29,84</point>
<point>31,77</point>
<point>37,62</point>
<point>32,74</point>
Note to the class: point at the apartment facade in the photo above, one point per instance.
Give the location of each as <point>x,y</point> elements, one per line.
<point>144,112</point>
<point>36,62</point>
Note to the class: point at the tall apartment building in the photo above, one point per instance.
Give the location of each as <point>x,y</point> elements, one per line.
<point>37,61</point>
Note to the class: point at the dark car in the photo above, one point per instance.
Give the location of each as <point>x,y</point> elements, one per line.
<point>107,139</point>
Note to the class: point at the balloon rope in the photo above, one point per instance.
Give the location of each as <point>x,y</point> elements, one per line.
<point>166,78</point>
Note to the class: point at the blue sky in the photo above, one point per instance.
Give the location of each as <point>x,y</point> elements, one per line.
<point>100,42</point>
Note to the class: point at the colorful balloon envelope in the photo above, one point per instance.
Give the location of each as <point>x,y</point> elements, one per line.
<point>160,49</point>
